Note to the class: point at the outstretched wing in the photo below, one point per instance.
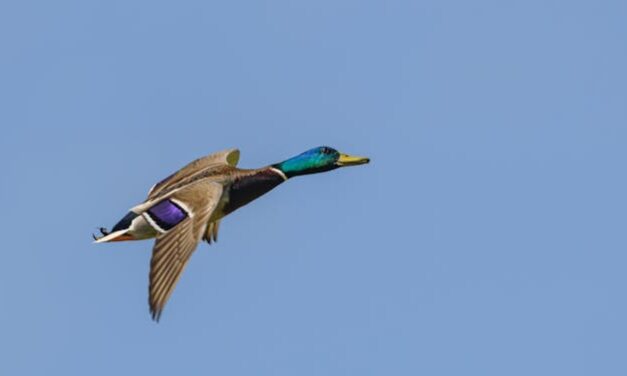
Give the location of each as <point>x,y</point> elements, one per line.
<point>175,246</point>
<point>228,157</point>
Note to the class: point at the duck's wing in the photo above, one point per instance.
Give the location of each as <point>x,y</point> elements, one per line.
<point>228,157</point>
<point>175,245</point>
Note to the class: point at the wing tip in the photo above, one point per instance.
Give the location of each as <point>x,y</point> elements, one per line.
<point>155,313</point>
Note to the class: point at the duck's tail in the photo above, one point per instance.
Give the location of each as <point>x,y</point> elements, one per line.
<point>120,231</point>
<point>116,236</point>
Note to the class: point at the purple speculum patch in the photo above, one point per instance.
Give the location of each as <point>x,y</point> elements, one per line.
<point>167,214</point>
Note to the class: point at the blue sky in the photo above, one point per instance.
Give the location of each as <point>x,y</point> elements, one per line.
<point>487,236</point>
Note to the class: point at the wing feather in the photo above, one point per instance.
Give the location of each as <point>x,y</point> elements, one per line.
<point>174,248</point>
<point>228,157</point>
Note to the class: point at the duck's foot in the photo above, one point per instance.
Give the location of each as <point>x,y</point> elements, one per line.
<point>103,231</point>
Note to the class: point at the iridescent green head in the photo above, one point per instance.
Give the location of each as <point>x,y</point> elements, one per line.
<point>318,159</point>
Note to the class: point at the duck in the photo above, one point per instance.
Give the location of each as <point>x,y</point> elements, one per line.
<point>186,208</point>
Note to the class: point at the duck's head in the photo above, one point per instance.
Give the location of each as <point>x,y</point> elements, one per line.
<point>320,159</point>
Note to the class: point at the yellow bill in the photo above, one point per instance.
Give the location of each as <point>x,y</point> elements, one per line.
<point>351,160</point>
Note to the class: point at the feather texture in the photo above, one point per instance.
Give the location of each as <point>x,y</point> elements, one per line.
<point>224,158</point>
<point>173,249</point>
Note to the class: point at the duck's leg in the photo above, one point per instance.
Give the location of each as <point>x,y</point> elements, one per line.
<point>103,231</point>
<point>211,234</point>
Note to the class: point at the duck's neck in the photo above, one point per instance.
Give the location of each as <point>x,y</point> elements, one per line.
<point>248,187</point>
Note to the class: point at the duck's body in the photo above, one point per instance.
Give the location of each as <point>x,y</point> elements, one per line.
<point>239,188</point>
<point>187,207</point>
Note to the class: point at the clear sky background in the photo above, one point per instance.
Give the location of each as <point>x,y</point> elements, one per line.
<point>487,236</point>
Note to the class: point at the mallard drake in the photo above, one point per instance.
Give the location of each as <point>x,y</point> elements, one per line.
<point>187,206</point>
